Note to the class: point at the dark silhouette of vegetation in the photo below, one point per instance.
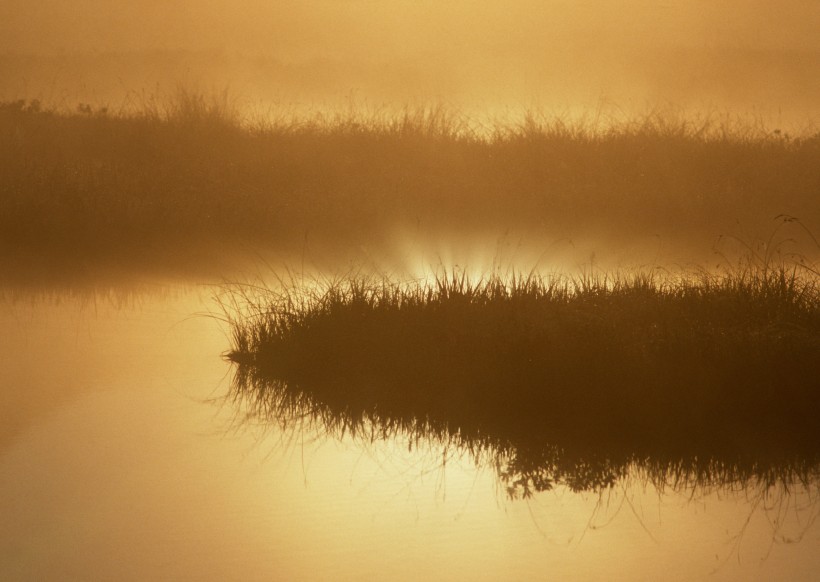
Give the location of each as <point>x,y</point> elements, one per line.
<point>697,380</point>
<point>189,178</point>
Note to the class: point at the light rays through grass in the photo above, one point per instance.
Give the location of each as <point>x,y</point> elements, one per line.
<point>181,180</point>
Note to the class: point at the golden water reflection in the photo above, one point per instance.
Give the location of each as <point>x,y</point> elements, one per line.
<point>125,461</point>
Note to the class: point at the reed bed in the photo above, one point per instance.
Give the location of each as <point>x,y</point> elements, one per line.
<point>189,176</point>
<point>699,378</point>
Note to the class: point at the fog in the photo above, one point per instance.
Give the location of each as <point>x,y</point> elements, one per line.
<point>750,57</point>
<point>364,29</point>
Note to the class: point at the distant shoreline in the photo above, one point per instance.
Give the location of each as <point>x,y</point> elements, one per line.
<point>188,178</point>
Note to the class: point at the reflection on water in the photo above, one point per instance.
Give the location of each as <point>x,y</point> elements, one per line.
<point>696,382</point>
<point>685,391</point>
<point>120,467</point>
<point>639,511</point>
<point>525,460</point>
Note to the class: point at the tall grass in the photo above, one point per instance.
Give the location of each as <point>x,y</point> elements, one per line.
<point>190,175</point>
<point>553,380</point>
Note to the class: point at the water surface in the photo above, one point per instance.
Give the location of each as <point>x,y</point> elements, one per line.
<point>120,458</point>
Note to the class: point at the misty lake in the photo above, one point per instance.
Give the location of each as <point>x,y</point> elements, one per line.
<point>521,291</point>
<point>123,458</point>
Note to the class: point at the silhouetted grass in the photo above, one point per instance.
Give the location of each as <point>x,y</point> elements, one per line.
<point>698,379</point>
<point>189,177</point>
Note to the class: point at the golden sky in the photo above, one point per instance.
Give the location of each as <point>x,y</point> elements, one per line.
<point>398,28</point>
<point>736,54</point>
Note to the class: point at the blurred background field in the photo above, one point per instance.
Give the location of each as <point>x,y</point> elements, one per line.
<point>190,180</point>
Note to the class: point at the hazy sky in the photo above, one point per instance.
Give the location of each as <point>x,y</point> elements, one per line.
<point>752,54</point>
<point>386,29</point>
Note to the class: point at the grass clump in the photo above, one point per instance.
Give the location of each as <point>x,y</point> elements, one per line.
<point>568,379</point>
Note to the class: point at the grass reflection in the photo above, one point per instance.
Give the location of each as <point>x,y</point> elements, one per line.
<point>695,381</point>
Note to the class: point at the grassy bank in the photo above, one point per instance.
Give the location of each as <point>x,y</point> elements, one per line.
<point>572,380</point>
<point>185,178</point>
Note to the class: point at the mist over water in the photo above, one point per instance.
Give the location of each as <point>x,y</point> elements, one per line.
<point>758,59</point>
<point>347,289</point>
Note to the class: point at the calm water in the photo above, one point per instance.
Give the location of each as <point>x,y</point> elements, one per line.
<point>121,460</point>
